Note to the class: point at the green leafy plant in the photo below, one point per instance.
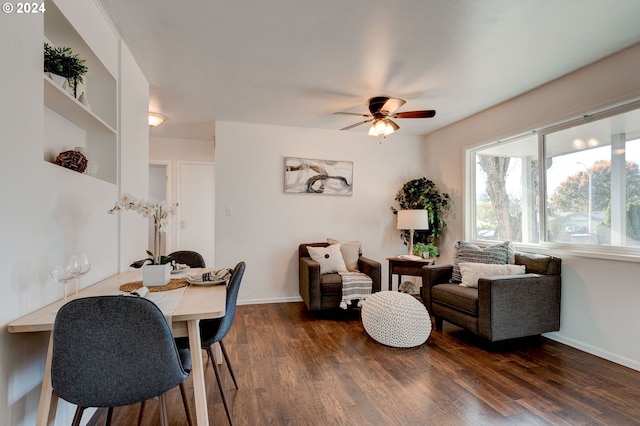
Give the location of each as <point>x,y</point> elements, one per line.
<point>420,249</point>
<point>423,194</point>
<point>62,61</point>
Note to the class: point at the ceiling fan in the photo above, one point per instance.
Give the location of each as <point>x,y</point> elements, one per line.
<point>382,110</point>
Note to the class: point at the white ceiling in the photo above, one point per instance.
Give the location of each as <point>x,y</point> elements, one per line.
<point>295,62</point>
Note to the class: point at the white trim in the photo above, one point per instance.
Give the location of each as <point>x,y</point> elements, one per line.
<point>269,300</point>
<point>634,365</point>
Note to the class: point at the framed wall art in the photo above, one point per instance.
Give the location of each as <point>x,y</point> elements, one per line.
<point>326,177</point>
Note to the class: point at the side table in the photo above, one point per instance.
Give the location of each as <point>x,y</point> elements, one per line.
<point>401,266</point>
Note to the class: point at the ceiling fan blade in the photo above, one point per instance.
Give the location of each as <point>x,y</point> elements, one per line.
<point>385,103</point>
<point>415,114</point>
<point>357,124</point>
<point>392,104</point>
<point>352,113</point>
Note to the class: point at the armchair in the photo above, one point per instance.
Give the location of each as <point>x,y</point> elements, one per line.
<point>320,292</point>
<point>502,307</point>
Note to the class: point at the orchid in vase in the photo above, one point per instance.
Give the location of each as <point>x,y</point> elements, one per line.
<point>160,211</point>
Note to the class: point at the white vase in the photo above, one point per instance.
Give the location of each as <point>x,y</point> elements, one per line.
<point>156,275</point>
<point>59,80</point>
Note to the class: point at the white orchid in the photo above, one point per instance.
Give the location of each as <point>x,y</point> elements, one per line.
<point>160,211</point>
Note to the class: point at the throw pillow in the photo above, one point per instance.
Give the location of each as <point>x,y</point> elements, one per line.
<point>464,251</point>
<point>351,251</point>
<point>471,272</point>
<point>329,258</point>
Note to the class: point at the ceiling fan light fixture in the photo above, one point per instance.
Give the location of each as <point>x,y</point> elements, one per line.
<point>382,127</point>
<point>156,119</point>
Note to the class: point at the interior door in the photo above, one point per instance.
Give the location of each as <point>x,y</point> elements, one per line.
<point>196,220</point>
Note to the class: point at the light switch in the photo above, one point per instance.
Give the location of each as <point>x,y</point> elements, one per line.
<point>228,211</point>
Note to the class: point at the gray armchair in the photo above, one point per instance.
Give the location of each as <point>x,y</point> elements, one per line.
<point>321,292</point>
<point>502,307</point>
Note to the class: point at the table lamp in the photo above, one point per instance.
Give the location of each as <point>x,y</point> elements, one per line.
<point>411,220</point>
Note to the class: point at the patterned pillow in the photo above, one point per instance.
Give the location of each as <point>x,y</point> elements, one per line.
<point>464,251</point>
<point>329,258</point>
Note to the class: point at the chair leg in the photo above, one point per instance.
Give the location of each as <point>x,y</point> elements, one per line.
<point>215,370</point>
<point>226,358</point>
<point>438,322</point>
<point>185,401</point>
<point>109,415</point>
<point>78,416</point>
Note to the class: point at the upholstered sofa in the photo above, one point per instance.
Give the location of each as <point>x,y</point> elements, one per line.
<point>320,292</point>
<point>501,307</point>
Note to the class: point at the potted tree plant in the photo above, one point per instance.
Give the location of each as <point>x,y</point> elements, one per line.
<point>63,62</point>
<point>423,194</point>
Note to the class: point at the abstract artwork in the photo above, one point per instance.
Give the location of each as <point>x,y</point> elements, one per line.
<point>306,176</point>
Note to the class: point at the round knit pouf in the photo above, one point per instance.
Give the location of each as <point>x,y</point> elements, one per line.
<point>396,319</point>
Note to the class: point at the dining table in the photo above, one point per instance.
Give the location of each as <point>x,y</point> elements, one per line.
<point>183,307</point>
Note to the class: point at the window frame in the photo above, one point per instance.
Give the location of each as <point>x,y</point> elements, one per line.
<point>622,253</point>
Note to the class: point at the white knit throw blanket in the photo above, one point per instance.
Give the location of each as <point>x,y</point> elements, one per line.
<point>355,285</point>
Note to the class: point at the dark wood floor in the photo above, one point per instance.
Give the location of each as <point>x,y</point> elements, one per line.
<point>297,369</point>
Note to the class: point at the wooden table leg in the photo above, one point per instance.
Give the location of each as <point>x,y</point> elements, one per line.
<point>48,400</point>
<point>197,372</point>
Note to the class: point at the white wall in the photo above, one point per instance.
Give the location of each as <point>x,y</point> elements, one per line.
<point>599,297</point>
<point>266,225</point>
<point>46,209</point>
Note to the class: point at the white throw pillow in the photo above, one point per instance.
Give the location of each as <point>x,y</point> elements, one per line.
<point>471,272</point>
<point>329,258</point>
<point>351,251</point>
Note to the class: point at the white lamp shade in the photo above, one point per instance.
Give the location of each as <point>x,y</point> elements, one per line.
<point>413,219</point>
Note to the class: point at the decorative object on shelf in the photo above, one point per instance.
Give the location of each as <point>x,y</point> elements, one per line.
<point>72,160</point>
<point>92,165</point>
<point>62,61</point>
<point>59,80</point>
<point>83,100</point>
<point>302,175</point>
<point>423,194</point>
<point>160,211</point>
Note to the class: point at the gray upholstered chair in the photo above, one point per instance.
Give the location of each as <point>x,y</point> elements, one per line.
<point>214,330</point>
<point>110,351</point>
<point>190,258</point>
<point>321,292</point>
<point>502,307</point>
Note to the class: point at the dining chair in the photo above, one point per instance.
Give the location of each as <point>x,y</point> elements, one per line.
<point>214,330</point>
<point>192,259</point>
<point>110,351</point>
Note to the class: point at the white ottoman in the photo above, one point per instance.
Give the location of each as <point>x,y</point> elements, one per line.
<point>396,319</point>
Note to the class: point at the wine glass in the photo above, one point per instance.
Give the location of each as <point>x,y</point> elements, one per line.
<point>79,265</point>
<point>61,273</point>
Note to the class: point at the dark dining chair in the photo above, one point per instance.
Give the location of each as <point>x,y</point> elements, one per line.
<point>214,330</point>
<point>192,259</point>
<point>110,351</point>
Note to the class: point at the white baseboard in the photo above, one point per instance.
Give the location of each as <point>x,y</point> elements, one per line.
<point>634,365</point>
<point>272,300</point>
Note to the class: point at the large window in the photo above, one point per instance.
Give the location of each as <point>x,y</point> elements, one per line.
<point>575,183</point>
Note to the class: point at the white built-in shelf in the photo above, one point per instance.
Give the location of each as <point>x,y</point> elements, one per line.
<point>61,101</point>
<point>74,124</point>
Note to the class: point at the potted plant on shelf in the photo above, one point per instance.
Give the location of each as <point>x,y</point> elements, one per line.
<point>156,269</point>
<point>63,62</point>
<point>423,194</point>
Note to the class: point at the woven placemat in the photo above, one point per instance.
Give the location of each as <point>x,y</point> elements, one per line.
<point>173,284</point>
